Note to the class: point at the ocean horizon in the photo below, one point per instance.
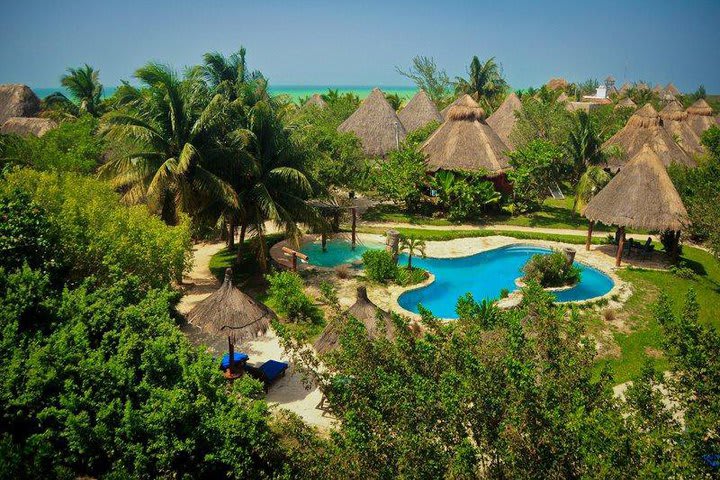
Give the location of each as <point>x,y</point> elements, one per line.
<point>296,92</point>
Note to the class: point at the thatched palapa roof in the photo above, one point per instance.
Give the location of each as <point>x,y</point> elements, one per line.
<point>376,124</point>
<point>445,110</point>
<point>645,128</point>
<point>316,101</point>
<point>465,142</point>
<point>700,116</point>
<point>25,126</point>
<point>674,121</point>
<point>626,102</point>
<point>503,120</point>
<point>418,112</point>
<point>672,89</point>
<point>624,89</point>
<point>17,101</point>
<point>555,83</point>
<point>641,195</point>
<point>230,312</point>
<point>365,312</point>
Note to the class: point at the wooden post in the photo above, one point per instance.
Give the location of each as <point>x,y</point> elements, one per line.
<point>589,235</point>
<point>621,245</point>
<point>676,246</point>
<point>323,238</point>
<point>294,261</point>
<point>231,352</point>
<point>354,224</point>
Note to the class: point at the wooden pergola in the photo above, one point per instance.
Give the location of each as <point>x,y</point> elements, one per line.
<point>640,196</point>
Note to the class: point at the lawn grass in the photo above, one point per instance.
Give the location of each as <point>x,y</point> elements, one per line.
<point>646,334</point>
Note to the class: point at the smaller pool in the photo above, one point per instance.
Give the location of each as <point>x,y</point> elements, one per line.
<point>338,252</point>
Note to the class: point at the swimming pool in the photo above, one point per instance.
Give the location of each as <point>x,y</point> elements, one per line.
<point>338,252</point>
<point>484,275</point>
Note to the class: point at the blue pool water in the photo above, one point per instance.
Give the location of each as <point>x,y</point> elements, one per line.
<point>484,275</point>
<point>338,252</point>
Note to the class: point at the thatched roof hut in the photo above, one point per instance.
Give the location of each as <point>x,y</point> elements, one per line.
<point>672,89</point>
<point>466,143</point>
<point>503,120</point>
<point>445,110</point>
<point>17,101</point>
<point>376,124</point>
<point>315,100</point>
<point>626,102</point>
<point>645,128</point>
<point>700,116</point>
<point>641,195</point>
<point>658,88</point>
<point>365,312</point>
<point>25,126</point>
<point>418,112</point>
<point>230,312</point>
<point>674,120</point>
<point>556,83</point>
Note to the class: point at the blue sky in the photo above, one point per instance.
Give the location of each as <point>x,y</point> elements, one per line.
<point>360,43</point>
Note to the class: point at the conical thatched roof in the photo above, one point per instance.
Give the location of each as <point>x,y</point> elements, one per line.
<point>445,110</point>
<point>645,128</point>
<point>672,89</point>
<point>365,312</point>
<point>503,120</point>
<point>316,101</point>
<point>418,112</point>
<point>555,83</point>
<point>17,101</point>
<point>641,195</point>
<point>626,102</point>
<point>230,312</point>
<point>25,126</point>
<point>658,88</point>
<point>700,117</point>
<point>624,89</point>
<point>674,121</point>
<point>465,142</point>
<point>376,124</point>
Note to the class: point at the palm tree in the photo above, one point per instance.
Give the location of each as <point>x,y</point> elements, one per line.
<point>174,145</point>
<point>583,146</point>
<point>591,182</point>
<point>85,89</point>
<point>484,82</point>
<point>412,246</point>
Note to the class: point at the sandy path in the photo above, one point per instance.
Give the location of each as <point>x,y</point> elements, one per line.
<point>289,392</point>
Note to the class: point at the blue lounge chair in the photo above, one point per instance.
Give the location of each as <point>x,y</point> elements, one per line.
<point>269,372</point>
<point>239,359</point>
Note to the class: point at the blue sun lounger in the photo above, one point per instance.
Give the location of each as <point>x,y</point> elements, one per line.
<point>238,359</point>
<point>269,372</point>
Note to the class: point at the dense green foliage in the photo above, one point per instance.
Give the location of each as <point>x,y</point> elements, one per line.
<point>427,76</point>
<point>401,177</point>
<point>379,265</point>
<point>536,168</point>
<point>71,147</point>
<point>287,292</point>
<point>464,196</point>
<point>484,82</point>
<point>542,117</point>
<point>92,234</point>
<point>86,94</point>
<point>551,270</point>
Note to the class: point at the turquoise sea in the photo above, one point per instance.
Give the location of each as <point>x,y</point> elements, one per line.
<point>296,92</point>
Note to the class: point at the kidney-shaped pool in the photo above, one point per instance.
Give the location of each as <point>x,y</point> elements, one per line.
<point>484,275</point>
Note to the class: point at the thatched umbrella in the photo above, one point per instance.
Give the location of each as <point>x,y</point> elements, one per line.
<point>700,116</point>
<point>418,112</point>
<point>445,110</point>
<point>674,121</point>
<point>230,312</point>
<point>25,126</point>
<point>376,124</point>
<point>626,102</point>
<point>672,89</point>
<point>645,128</point>
<point>365,312</point>
<point>641,195</point>
<point>17,101</point>
<point>503,120</point>
<point>316,101</point>
<point>465,143</point>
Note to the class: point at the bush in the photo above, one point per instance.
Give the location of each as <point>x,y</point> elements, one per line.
<point>412,276</point>
<point>379,265</point>
<point>287,292</point>
<point>464,197</point>
<point>551,270</point>
<point>401,177</point>
<point>683,271</point>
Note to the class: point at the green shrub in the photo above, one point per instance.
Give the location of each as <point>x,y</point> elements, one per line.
<point>504,293</point>
<point>379,265</point>
<point>683,271</point>
<point>413,276</point>
<point>551,270</point>
<point>287,292</point>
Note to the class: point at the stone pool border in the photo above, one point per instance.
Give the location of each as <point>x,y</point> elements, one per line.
<point>387,297</point>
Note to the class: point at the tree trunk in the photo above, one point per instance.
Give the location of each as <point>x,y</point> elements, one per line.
<point>621,245</point>
<point>241,240</point>
<point>409,261</point>
<point>589,236</point>
<point>230,232</point>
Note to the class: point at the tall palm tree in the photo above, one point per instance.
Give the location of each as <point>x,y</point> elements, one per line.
<point>412,246</point>
<point>85,89</point>
<point>583,146</point>
<point>485,81</point>
<point>174,145</point>
<point>591,182</point>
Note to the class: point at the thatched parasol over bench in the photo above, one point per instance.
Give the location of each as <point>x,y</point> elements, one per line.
<point>642,196</point>
<point>378,323</point>
<point>232,313</point>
